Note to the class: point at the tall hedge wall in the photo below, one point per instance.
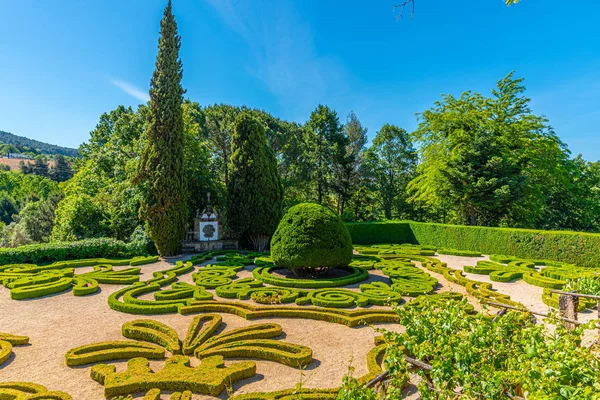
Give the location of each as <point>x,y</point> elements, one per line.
<point>381,232</point>
<point>574,247</point>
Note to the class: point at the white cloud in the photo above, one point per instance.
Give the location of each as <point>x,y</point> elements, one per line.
<point>130,89</point>
<point>285,59</point>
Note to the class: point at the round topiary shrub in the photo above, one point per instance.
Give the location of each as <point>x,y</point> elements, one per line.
<point>310,239</point>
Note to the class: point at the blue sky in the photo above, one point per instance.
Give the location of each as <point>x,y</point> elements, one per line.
<point>65,62</point>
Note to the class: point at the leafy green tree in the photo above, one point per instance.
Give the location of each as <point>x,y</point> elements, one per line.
<point>489,157</point>
<point>391,161</point>
<point>7,208</point>
<point>325,146</point>
<point>107,164</point>
<point>14,235</point>
<point>255,192</point>
<point>37,218</point>
<point>17,190</point>
<point>78,217</point>
<point>572,197</point>
<point>161,170</point>
<point>197,169</point>
<point>347,162</point>
<point>219,121</point>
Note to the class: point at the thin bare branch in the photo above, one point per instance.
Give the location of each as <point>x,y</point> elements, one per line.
<point>402,6</point>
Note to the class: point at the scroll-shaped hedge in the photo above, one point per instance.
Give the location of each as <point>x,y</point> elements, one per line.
<point>154,332</point>
<point>111,351</point>
<point>7,341</point>
<point>29,391</point>
<point>249,342</point>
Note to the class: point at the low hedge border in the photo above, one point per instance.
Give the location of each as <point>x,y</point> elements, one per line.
<point>337,298</point>
<point>58,285</point>
<point>210,377</point>
<point>439,298</point>
<point>461,253</point>
<point>264,274</point>
<point>7,341</point>
<point>293,355</point>
<point>200,330</point>
<point>143,260</point>
<point>126,300</point>
<point>551,299</point>
<point>29,391</point>
<point>213,277</point>
<point>374,360</point>
<point>255,341</point>
<point>186,395</point>
<point>481,290</point>
<point>154,332</point>
<point>111,351</point>
<point>248,311</point>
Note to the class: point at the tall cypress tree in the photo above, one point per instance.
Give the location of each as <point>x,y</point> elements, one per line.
<point>161,171</point>
<point>254,187</point>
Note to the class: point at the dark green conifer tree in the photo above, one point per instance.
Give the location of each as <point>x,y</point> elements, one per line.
<point>254,187</point>
<point>161,168</point>
<point>40,167</point>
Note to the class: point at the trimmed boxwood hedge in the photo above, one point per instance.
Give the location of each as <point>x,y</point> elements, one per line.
<point>264,274</point>
<point>248,311</point>
<point>49,252</point>
<point>152,331</point>
<point>210,377</point>
<point>573,247</point>
<point>29,391</point>
<point>112,351</point>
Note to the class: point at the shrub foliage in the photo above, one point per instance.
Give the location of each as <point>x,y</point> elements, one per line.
<point>254,187</point>
<point>311,236</point>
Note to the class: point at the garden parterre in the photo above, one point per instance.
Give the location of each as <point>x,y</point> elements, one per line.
<point>218,288</point>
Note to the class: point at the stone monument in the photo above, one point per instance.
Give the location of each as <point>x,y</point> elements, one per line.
<point>209,224</point>
<point>208,232</point>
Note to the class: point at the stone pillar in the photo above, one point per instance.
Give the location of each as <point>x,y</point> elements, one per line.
<point>568,305</point>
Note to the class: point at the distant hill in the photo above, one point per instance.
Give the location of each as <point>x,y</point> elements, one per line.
<point>25,145</point>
